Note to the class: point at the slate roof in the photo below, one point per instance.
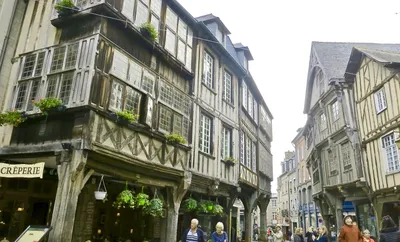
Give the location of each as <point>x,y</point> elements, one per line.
<point>333,58</point>
<point>210,17</point>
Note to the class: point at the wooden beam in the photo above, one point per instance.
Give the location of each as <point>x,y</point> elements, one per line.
<point>87,177</point>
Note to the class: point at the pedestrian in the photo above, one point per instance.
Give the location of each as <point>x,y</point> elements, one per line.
<point>278,235</point>
<point>323,234</point>
<point>367,236</point>
<point>193,234</point>
<point>349,232</point>
<point>219,235</point>
<point>298,235</point>
<point>310,234</point>
<point>390,232</point>
<point>289,235</point>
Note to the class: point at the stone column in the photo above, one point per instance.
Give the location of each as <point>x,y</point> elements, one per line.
<point>70,182</point>
<point>263,203</point>
<point>249,204</point>
<point>174,198</point>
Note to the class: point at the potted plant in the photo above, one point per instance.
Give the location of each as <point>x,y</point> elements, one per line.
<point>14,118</point>
<point>148,31</point>
<point>209,206</point>
<point>218,210</point>
<point>142,199</point>
<point>154,208</point>
<point>190,204</point>
<point>202,207</point>
<point>175,138</point>
<point>230,161</point>
<point>125,199</point>
<point>65,8</point>
<point>49,105</point>
<point>101,192</point>
<point>127,117</point>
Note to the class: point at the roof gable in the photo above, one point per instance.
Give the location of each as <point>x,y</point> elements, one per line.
<point>208,18</point>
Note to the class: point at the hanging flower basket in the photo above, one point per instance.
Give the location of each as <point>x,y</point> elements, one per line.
<point>142,199</point>
<point>125,199</point>
<point>190,204</point>
<point>101,192</point>
<point>155,207</point>
<point>209,206</point>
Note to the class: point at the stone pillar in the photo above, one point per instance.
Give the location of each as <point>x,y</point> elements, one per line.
<point>174,198</point>
<point>263,203</point>
<point>70,182</point>
<point>248,224</point>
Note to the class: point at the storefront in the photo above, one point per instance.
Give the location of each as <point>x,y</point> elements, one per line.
<point>366,218</point>
<point>27,194</point>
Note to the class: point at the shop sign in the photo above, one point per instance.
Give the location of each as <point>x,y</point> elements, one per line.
<point>22,170</point>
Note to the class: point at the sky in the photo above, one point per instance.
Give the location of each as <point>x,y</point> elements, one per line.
<point>279,34</point>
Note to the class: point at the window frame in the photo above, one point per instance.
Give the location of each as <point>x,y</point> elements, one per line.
<point>323,122</point>
<point>392,146</point>
<point>380,101</point>
<point>335,109</point>
<point>203,146</point>
<point>227,93</point>
<point>124,96</point>
<point>226,131</point>
<point>208,83</point>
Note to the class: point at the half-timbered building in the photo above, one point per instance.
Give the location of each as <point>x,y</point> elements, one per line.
<point>175,84</point>
<point>333,148</point>
<point>375,80</point>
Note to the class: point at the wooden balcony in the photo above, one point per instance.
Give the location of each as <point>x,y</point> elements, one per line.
<point>136,145</point>
<point>316,188</point>
<point>248,176</point>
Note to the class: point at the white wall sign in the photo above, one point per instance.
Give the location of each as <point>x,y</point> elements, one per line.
<point>22,170</point>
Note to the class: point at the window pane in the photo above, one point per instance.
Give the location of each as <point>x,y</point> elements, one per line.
<point>227,91</point>
<point>28,66</point>
<point>205,134</point>
<point>171,19</point>
<point>135,73</point>
<point>170,40</point>
<point>116,96</point>
<point>188,58</point>
<point>242,138</point>
<point>21,97</point>
<point>156,23</point>
<point>132,100</point>
<point>39,65</point>
<point>156,7</point>
<point>148,82</point>
<point>244,95</point>
<point>185,127</point>
<point>177,124</point>
<point>208,66</point>
<point>72,53</point>
<point>58,59</point>
<point>66,87</point>
<point>166,93</point>
<point>182,30</point>
<point>52,86</point>
<point>181,51</point>
<point>178,100</point>
<point>165,118</point>
<point>33,94</point>
<point>142,14</point>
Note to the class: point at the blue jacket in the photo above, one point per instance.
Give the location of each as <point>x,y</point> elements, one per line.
<point>200,235</point>
<point>219,238</point>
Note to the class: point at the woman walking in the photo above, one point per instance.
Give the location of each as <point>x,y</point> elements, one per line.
<point>219,235</point>
<point>298,235</point>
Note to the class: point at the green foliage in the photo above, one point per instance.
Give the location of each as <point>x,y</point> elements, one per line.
<point>125,199</point>
<point>127,115</point>
<point>230,160</point>
<point>12,118</point>
<point>190,204</point>
<point>142,200</point>
<point>175,138</point>
<point>210,206</point>
<point>46,104</point>
<point>218,210</point>
<point>202,207</point>
<point>148,30</point>
<point>154,208</point>
<point>64,5</point>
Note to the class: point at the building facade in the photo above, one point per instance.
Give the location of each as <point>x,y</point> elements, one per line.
<point>287,194</point>
<point>272,210</point>
<point>177,85</point>
<point>373,76</point>
<point>309,215</point>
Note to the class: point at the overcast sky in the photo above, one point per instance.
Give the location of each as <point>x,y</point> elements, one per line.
<point>279,35</point>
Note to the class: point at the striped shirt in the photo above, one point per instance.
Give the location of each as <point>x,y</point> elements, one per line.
<point>191,237</point>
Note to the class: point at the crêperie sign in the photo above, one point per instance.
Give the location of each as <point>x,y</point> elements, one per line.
<point>22,170</point>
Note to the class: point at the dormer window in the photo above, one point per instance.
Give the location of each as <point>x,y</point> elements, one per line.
<point>220,36</point>
<point>245,63</point>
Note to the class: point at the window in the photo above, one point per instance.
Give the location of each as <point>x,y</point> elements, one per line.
<point>205,134</point>
<point>244,95</point>
<point>33,65</point>
<point>254,157</point>
<point>265,121</point>
<point>123,97</point>
<point>333,161</point>
<point>346,153</point>
<point>227,87</point>
<point>60,86</point>
<point>391,152</point>
<point>380,101</point>
<point>250,103</point>
<point>146,12</point>
<point>255,111</point>
<point>208,69</point>
<point>242,137</point>
<point>323,124</point>
<point>315,171</point>
<point>273,203</point>
<point>64,57</point>
<point>179,38</point>
<point>335,110</point>
<point>226,143</point>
